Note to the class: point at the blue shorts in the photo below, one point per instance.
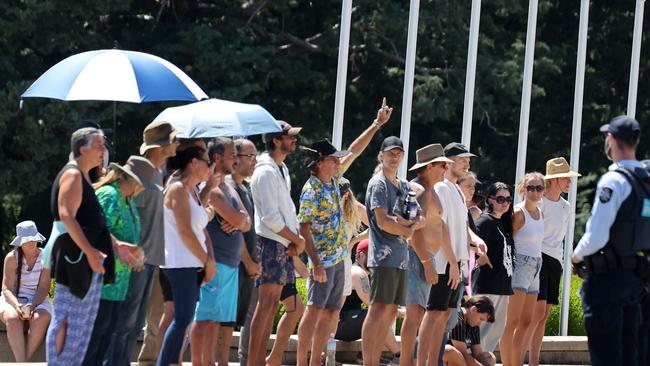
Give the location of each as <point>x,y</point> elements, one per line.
<point>218,298</point>
<point>277,265</point>
<point>417,287</point>
<point>525,276</point>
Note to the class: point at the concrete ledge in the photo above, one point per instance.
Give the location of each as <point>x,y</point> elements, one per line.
<point>555,350</point>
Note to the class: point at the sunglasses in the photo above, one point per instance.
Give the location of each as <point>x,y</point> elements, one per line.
<point>532,188</point>
<point>503,199</point>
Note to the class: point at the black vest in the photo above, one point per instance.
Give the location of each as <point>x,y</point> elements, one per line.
<point>630,232</point>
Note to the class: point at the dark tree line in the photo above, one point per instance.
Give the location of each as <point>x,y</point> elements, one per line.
<point>283,54</point>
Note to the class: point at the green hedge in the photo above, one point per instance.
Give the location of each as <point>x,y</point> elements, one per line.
<point>576,323</point>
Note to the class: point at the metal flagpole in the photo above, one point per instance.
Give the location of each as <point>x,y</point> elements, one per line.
<point>342,73</point>
<point>409,75</point>
<point>575,156</point>
<point>526,91</point>
<point>470,78</point>
<point>636,55</point>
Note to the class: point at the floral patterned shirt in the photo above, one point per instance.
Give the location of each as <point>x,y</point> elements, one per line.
<point>123,222</point>
<point>320,207</point>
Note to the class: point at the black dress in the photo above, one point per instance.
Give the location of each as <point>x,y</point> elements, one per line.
<point>496,280</point>
<point>69,264</point>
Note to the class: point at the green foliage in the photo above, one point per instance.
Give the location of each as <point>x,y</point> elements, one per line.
<point>576,323</point>
<point>282,54</point>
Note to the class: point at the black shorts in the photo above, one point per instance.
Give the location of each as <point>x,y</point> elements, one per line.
<point>549,280</point>
<point>288,290</point>
<point>442,297</point>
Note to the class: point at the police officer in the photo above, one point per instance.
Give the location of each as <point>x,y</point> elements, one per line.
<point>613,250</point>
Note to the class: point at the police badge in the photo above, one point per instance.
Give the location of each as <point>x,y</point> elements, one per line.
<point>605,195</point>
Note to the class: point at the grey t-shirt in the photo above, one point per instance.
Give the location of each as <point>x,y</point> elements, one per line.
<point>150,209</point>
<point>385,249</point>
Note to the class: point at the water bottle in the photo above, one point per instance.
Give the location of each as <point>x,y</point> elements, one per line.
<point>410,206</point>
<point>331,351</point>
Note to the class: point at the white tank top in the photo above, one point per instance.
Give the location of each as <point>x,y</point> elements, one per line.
<point>528,239</point>
<point>177,255</point>
<point>29,279</point>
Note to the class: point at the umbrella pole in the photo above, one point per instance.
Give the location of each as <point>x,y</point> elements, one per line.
<point>115,130</point>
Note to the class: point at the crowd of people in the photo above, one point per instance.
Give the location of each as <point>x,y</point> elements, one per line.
<point>195,239</point>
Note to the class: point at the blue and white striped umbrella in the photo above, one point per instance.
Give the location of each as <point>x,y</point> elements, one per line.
<point>115,75</point>
<point>216,117</point>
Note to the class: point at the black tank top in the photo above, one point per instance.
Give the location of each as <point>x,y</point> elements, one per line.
<point>352,302</point>
<point>71,272</point>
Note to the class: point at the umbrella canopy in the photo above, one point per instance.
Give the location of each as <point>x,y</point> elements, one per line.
<point>215,117</point>
<point>115,75</point>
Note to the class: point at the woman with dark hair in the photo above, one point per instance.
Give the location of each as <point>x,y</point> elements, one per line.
<point>493,274</point>
<point>25,286</point>
<point>186,250</point>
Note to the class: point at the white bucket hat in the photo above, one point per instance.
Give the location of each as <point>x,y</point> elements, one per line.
<point>26,231</point>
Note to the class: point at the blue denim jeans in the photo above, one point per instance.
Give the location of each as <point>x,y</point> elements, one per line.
<point>133,313</point>
<point>185,290</point>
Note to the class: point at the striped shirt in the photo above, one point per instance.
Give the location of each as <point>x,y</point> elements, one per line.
<point>463,332</point>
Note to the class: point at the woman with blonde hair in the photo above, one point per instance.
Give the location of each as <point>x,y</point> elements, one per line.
<point>528,233</point>
<point>115,192</point>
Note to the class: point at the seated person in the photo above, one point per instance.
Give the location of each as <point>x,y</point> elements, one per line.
<point>465,339</point>
<point>24,304</point>
<point>352,314</point>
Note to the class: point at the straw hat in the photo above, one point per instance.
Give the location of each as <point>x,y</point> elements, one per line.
<point>559,168</point>
<point>429,154</point>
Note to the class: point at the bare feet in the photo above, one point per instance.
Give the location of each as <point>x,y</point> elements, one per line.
<point>273,360</point>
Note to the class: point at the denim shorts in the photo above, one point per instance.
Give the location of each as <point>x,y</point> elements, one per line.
<point>525,276</point>
<point>417,287</point>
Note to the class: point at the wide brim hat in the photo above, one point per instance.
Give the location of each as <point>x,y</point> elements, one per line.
<point>322,149</point>
<point>146,171</point>
<point>26,232</point>
<point>433,153</point>
<point>559,168</point>
<point>158,134</point>
<point>126,169</point>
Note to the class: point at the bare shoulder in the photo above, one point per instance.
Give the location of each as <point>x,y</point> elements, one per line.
<point>416,187</point>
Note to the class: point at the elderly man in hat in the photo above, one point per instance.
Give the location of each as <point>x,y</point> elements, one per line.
<point>430,167</point>
<point>614,248</point>
<point>556,212</point>
<point>326,239</point>
<point>159,144</point>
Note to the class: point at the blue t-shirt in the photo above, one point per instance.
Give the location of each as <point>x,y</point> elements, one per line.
<point>385,249</point>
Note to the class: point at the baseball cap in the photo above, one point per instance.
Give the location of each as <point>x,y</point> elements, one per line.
<point>458,149</point>
<point>392,142</point>
<point>622,127</point>
<point>287,129</point>
<point>362,246</point>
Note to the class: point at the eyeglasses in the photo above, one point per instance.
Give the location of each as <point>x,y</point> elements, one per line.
<point>247,155</point>
<point>503,199</point>
<point>207,161</point>
<point>532,188</point>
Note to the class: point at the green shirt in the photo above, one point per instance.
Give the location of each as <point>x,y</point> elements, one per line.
<point>123,222</point>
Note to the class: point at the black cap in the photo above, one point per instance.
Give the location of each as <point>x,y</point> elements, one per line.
<point>458,149</point>
<point>324,148</point>
<point>392,142</point>
<point>622,127</point>
<point>287,129</point>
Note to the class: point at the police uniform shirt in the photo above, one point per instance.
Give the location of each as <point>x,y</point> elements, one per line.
<point>613,188</point>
